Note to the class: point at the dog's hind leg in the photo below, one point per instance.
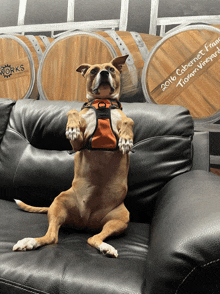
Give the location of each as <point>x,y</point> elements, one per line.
<point>56,217</point>
<point>114,224</point>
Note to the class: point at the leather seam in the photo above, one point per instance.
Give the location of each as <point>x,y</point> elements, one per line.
<point>22,137</point>
<point>202,266</point>
<point>158,137</point>
<point>211,262</point>
<point>20,286</point>
<point>183,281</point>
<point>19,134</point>
<point>17,169</point>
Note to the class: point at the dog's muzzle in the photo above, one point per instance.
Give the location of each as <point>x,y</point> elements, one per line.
<point>103,77</point>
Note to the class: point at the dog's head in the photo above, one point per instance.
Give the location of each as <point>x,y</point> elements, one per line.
<point>103,80</point>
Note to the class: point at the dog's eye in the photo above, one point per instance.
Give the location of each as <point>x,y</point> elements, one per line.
<point>112,69</point>
<point>93,71</point>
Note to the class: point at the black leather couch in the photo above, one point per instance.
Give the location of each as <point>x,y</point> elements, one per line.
<point>172,244</point>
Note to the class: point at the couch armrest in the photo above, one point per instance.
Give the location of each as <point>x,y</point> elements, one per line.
<point>184,252</point>
<point>201,156</point>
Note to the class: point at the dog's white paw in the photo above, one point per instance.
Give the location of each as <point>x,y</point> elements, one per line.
<point>72,133</point>
<point>125,145</point>
<point>108,250</point>
<point>25,244</point>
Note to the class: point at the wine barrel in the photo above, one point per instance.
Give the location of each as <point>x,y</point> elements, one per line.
<point>19,62</point>
<point>184,69</point>
<point>216,26</point>
<point>57,76</point>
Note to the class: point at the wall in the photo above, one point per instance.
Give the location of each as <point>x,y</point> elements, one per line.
<point>49,11</point>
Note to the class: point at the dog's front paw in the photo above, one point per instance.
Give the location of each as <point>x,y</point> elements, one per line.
<point>26,244</point>
<point>125,145</point>
<point>73,133</point>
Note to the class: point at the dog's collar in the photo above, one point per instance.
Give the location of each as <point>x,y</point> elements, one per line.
<point>103,103</point>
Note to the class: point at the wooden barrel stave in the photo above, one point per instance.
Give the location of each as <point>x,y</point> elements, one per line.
<point>58,69</point>
<point>14,56</point>
<point>69,85</point>
<point>194,53</point>
<point>19,60</point>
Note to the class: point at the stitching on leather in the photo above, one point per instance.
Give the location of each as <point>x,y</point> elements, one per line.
<point>202,266</point>
<point>186,277</point>
<point>211,262</point>
<point>20,286</point>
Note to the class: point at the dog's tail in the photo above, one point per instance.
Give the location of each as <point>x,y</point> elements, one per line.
<point>29,208</point>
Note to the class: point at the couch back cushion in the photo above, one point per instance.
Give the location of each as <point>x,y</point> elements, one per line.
<point>5,110</point>
<point>36,157</point>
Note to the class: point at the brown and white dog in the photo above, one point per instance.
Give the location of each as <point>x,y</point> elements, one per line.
<point>96,199</point>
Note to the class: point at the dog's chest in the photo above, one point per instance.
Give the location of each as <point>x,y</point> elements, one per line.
<point>90,118</point>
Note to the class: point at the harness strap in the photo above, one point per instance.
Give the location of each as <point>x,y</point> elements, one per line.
<point>102,103</point>
<point>103,137</point>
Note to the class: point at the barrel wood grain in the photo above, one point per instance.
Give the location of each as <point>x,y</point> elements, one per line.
<point>184,69</point>
<point>59,79</point>
<point>18,67</point>
<point>57,76</point>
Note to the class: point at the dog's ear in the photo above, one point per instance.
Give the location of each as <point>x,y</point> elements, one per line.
<point>83,68</point>
<point>119,61</point>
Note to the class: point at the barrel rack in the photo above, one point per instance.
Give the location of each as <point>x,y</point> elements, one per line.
<point>179,21</point>
<point>70,24</point>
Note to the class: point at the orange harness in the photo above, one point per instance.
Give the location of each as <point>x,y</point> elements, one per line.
<point>103,137</point>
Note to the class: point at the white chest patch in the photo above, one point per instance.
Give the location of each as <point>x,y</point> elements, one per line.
<point>115,117</point>
<point>90,119</point>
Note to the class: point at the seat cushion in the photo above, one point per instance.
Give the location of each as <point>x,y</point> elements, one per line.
<point>71,266</point>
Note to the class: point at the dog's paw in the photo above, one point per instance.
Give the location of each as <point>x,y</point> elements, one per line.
<point>25,244</point>
<point>125,145</point>
<point>72,133</point>
<point>108,250</point>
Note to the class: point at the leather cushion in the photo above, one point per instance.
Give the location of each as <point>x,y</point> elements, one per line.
<point>184,252</point>
<point>71,266</point>
<point>35,155</point>
<point>5,109</point>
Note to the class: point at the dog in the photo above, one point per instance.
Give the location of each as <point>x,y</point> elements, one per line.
<point>102,136</point>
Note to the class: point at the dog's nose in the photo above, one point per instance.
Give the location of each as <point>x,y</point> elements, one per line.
<point>104,73</point>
